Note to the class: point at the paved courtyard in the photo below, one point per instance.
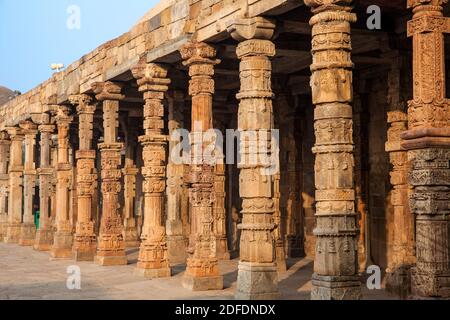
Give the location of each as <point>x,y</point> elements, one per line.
<point>28,274</point>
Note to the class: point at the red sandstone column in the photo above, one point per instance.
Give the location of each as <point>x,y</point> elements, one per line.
<point>15,186</point>
<point>62,242</point>
<point>44,235</point>
<point>176,240</point>
<point>153,83</point>
<point>257,277</point>
<point>28,228</point>
<point>336,261</point>
<point>130,171</point>
<point>84,245</point>
<point>428,143</point>
<point>111,245</point>
<point>202,272</point>
<point>5,145</point>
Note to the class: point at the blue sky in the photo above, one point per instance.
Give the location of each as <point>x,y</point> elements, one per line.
<point>34,34</point>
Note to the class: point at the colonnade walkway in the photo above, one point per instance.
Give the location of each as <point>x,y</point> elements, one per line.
<point>29,274</point>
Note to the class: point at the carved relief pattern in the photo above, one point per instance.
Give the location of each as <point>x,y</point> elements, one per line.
<point>85,238</point>
<point>62,245</point>
<point>428,145</point>
<point>153,83</point>
<point>202,253</point>
<point>336,260</point>
<point>110,239</point>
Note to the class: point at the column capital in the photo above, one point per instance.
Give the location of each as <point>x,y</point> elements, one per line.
<point>328,4</point>
<point>108,91</point>
<point>151,77</point>
<point>4,137</point>
<point>84,103</point>
<point>62,115</point>
<point>194,53</point>
<point>425,5</point>
<point>46,128</point>
<point>16,133</point>
<point>251,28</point>
<point>29,127</point>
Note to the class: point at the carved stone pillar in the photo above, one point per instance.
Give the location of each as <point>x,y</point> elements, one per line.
<point>219,213</point>
<point>257,276</point>
<point>44,235</point>
<point>398,278</point>
<point>360,141</point>
<point>336,261</point>
<point>15,186</point>
<point>28,228</point>
<point>176,240</point>
<point>111,245</point>
<point>428,145</point>
<point>5,145</point>
<point>130,171</point>
<point>63,238</point>
<point>153,83</point>
<point>202,271</point>
<point>53,180</point>
<point>290,166</point>
<point>84,244</point>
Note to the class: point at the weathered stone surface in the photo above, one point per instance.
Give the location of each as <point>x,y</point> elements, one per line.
<point>257,268</point>
<point>336,260</point>
<point>202,272</point>
<point>111,245</point>
<point>63,238</point>
<point>153,259</point>
<point>428,143</point>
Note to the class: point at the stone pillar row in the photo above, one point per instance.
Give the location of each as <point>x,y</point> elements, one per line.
<point>422,151</point>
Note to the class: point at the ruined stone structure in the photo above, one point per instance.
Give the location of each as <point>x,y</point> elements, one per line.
<point>357,173</point>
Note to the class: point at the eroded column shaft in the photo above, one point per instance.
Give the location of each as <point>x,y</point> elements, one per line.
<point>336,260</point>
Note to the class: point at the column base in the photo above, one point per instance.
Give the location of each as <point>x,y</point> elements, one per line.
<point>336,288</point>
<point>111,250</point>
<point>176,249</point>
<point>62,246</point>
<point>257,281</point>
<point>430,283</point>
<point>27,234</point>
<point>44,240</point>
<point>153,273</point>
<point>222,252</point>
<point>398,282</point>
<point>111,260</point>
<point>86,252</point>
<point>12,233</point>
<point>202,283</point>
